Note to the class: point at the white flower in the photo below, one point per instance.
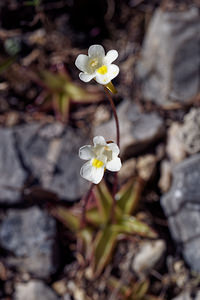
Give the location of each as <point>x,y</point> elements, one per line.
<point>101,156</point>
<point>97,65</point>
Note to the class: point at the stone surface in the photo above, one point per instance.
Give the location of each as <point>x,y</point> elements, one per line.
<point>127,170</point>
<point>34,290</point>
<point>45,153</point>
<point>146,166</point>
<point>29,236</point>
<point>149,255</point>
<point>190,131</point>
<point>188,295</point>
<point>175,147</point>
<point>170,60</point>
<point>66,297</point>
<point>182,206</point>
<point>13,175</point>
<point>183,296</point>
<point>165,177</point>
<point>137,129</point>
<point>50,153</point>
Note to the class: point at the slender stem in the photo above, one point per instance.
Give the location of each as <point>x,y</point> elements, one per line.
<point>115,184</point>
<point>115,115</point>
<point>85,200</point>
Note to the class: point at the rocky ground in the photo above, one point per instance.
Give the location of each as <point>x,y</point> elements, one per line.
<point>159,114</point>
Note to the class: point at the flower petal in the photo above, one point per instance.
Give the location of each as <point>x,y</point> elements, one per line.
<point>96,51</point>
<point>91,173</point>
<point>114,148</point>
<point>112,72</point>
<point>114,165</point>
<point>86,170</point>
<point>86,77</point>
<point>99,140</point>
<point>110,56</point>
<point>97,174</point>
<point>86,152</point>
<point>81,62</point>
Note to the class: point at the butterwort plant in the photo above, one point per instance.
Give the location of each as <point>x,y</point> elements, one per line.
<point>106,215</point>
<point>98,65</point>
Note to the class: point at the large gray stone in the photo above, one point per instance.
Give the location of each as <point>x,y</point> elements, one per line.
<point>12,173</point>
<point>170,60</point>
<point>29,235</point>
<point>182,206</point>
<point>34,290</point>
<point>188,295</point>
<point>137,129</point>
<point>50,153</point>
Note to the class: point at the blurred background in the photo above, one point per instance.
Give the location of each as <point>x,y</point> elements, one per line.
<point>47,113</point>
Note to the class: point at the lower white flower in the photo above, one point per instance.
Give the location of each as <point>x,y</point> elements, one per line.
<point>101,156</point>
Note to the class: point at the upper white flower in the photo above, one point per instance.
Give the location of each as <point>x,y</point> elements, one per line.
<point>97,65</point>
<point>101,156</point>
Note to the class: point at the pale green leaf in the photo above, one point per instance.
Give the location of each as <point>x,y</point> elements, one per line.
<point>93,217</point>
<point>131,225</point>
<point>65,216</point>
<point>104,201</point>
<point>140,289</point>
<point>104,244</point>
<point>129,195</point>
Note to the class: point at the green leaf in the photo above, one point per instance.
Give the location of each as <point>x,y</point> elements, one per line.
<point>32,3</point>
<point>93,217</point>
<point>54,82</point>
<point>140,289</point>
<point>6,64</point>
<point>104,244</point>
<point>116,284</point>
<point>65,216</point>
<point>80,95</point>
<point>152,297</point>
<point>131,225</point>
<point>61,106</point>
<point>129,195</point>
<point>86,234</point>
<point>104,201</point>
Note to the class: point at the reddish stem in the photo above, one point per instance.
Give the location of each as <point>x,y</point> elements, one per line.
<point>85,200</point>
<point>115,115</point>
<point>118,143</point>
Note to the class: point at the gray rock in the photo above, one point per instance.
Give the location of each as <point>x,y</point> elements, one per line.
<point>33,290</point>
<point>187,295</point>
<point>66,297</point>
<point>175,146</point>
<point>29,235</point>
<point>170,60</point>
<point>148,257</point>
<point>137,129</point>
<point>182,206</point>
<point>50,153</point>
<point>12,173</point>
<point>190,131</point>
<point>183,296</point>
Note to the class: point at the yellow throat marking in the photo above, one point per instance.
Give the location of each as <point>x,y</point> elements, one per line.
<point>97,163</point>
<point>102,70</point>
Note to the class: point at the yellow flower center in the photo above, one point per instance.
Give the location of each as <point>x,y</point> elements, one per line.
<point>97,163</point>
<point>94,62</point>
<point>102,70</point>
